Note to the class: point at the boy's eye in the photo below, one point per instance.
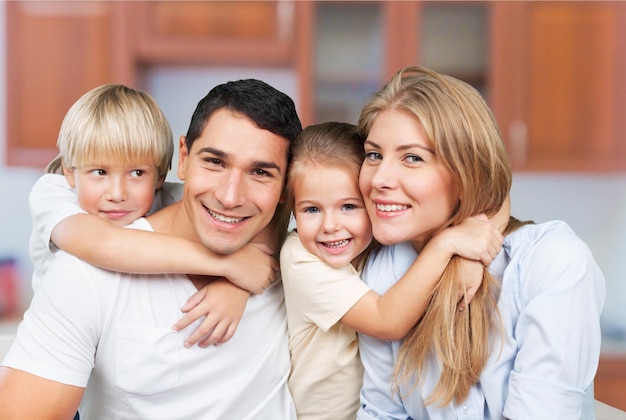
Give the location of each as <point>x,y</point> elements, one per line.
<point>99,172</point>
<point>137,172</point>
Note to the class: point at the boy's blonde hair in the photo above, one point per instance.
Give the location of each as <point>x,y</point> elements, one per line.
<point>117,122</point>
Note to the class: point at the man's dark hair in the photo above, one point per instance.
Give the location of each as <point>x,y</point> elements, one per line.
<point>268,107</point>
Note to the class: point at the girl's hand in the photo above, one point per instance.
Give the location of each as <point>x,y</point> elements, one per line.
<point>471,272</point>
<point>223,304</point>
<point>476,238</point>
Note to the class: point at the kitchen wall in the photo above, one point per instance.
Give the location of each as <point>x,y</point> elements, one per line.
<point>593,204</point>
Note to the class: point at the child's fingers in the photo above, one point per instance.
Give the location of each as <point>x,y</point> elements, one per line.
<point>209,331</point>
<point>187,319</point>
<point>194,300</point>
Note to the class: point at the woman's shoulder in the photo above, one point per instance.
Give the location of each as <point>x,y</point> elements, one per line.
<point>550,238</point>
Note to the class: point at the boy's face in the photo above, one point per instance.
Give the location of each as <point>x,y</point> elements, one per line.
<point>234,176</point>
<point>117,193</point>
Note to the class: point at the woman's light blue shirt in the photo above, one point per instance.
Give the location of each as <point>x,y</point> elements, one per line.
<point>550,303</point>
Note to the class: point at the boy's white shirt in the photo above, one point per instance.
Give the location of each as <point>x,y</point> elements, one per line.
<point>51,200</point>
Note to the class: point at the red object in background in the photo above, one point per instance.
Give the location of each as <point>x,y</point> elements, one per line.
<point>8,288</point>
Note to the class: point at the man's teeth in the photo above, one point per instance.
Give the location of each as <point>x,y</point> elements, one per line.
<point>336,244</point>
<point>391,207</point>
<point>225,219</point>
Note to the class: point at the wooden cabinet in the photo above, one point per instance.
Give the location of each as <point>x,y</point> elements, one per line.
<point>558,85</point>
<point>553,72</point>
<point>55,52</point>
<point>58,50</point>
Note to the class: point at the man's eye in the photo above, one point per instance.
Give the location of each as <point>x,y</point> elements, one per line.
<point>261,172</point>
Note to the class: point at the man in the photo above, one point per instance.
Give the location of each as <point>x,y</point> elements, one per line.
<point>106,338</point>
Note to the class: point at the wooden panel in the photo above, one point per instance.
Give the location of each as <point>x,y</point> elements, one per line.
<point>610,382</point>
<point>56,52</point>
<point>215,32</point>
<point>572,81</point>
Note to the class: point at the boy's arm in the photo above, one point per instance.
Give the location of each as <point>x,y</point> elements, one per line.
<point>392,315</point>
<point>27,396</point>
<point>102,244</point>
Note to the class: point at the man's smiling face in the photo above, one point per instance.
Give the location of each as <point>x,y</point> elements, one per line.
<point>234,175</point>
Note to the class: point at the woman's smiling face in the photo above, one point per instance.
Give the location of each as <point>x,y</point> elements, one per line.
<point>409,193</point>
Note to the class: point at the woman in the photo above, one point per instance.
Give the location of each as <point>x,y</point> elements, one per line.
<point>528,346</point>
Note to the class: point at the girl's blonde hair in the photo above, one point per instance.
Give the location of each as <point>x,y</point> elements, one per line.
<point>466,139</point>
<point>117,122</point>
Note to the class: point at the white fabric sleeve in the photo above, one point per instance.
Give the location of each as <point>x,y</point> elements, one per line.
<point>58,337</point>
<point>558,330</point>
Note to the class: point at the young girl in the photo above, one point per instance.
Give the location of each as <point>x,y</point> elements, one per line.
<point>529,343</point>
<point>326,300</point>
<point>115,150</point>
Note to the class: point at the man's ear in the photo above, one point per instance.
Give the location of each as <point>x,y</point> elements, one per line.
<point>69,175</point>
<point>183,154</point>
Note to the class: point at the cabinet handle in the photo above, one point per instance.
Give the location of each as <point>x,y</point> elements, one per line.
<point>519,143</point>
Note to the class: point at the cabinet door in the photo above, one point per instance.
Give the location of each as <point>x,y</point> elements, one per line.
<point>56,51</point>
<point>559,85</point>
<point>214,32</point>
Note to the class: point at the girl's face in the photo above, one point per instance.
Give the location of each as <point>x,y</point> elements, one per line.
<point>408,192</point>
<point>330,215</point>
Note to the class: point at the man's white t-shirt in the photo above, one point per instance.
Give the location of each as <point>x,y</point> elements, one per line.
<point>112,332</point>
<point>52,199</point>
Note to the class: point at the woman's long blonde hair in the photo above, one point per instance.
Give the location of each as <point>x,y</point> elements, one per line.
<point>466,139</point>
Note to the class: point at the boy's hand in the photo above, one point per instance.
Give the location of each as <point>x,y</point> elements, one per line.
<point>223,304</point>
<point>253,267</point>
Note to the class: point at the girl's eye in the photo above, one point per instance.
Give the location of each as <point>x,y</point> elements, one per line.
<point>373,156</point>
<point>349,207</point>
<point>311,210</point>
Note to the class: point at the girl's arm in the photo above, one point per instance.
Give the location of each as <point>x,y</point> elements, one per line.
<point>99,243</point>
<point>392,315</point>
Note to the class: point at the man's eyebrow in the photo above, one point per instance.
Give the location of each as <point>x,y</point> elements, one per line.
<point>256,164</point>
<point>213,151</point>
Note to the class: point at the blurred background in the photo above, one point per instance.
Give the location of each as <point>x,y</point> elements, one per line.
<point>553,72</point>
